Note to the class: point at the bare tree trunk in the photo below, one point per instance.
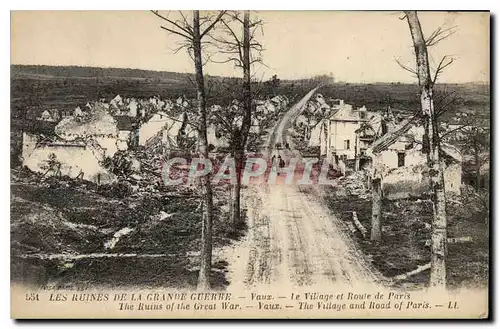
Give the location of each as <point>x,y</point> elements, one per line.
<point>206,230</point>
<point>236,195</point>
<point>241,140</point>
<point>356,152</point>
<point>478,168</point>
<point>434,163</point>
<point>376,233</point>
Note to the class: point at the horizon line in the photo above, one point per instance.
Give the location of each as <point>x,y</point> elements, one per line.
<point>237,77</point>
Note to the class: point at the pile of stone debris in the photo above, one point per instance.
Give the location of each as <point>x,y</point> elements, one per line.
<point>356,184</point>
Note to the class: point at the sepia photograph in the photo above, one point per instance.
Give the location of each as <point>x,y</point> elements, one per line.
<point>250,164</point>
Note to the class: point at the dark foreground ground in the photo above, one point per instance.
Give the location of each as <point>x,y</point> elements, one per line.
<point>406,227</point>
<point>68,217</point>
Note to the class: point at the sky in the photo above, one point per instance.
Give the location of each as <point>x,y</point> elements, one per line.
<point>353,46</point>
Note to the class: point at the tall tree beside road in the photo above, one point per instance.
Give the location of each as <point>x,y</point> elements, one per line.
<point>192,36</point>
<point>431,139</point>
<point>243,51</point>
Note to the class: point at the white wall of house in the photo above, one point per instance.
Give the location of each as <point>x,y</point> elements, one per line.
<point>109,144</point>
<point>453,178</point>
<point>132,108</point>
<point>408,179</point>
<point>123,139</point>
<point>315,138</point>
<point>74,159</point>
<point>124,135</point>
<point>29,144</point>
<point>152,127</point>
<point>342,138</point>
<point>388,158</point>
<point>412,157</point>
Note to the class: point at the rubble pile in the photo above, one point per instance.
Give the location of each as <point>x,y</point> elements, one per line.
<point>356,184</point>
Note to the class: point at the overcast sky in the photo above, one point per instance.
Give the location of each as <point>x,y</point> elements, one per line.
<point>353,46</point>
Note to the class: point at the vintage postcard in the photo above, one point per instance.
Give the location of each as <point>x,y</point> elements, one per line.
<point>250,164</point>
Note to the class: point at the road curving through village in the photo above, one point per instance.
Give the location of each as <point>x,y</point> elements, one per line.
<point>293,239</point>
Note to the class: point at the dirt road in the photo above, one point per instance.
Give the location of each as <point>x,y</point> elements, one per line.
<point>293,239</point>
<point>279,132</point>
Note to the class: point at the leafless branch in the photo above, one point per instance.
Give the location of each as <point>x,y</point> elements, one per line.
<point>210,27</point>
<point>256,46</point>
<point>454,130</point>
<point>176,32</point>
<point>440,100</point>
<point>236,61</point>
<point>228,126</point>
<point>438,35</point>
<point>177,120</point>
<point>193,83</point>
<point>186,24</point>
<point>236,16</point>
<point>181,46</point>
<point>254,24</point>
<point>441,66</point>
<point>257,60</point>
<point>443,104</point>
<point>186,33</point>
<point>225,42</point>
<point>406,68</point>
<point>190,53</point>
<point>236,39</point>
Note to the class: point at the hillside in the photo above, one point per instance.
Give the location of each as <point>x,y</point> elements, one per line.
<point>38,87</point>
<point>33,71</point>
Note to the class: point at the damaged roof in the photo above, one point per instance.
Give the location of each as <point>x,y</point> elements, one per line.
<point>403,128</point>
<point>390,138</point>
<point>451,151</point>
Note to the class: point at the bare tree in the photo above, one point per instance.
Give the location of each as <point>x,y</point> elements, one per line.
<point>476,142</point>
<point>435,164</point>
<point>192,34</point>
<point>376,231</point>
<point>243,51</point>
<point>473,138</point>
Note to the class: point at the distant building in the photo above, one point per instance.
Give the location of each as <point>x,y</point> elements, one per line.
<point>52,115</point>
<point>46,116</point>
<point>78,112</point>
<point>97,125</point>
<point>182,102</point>
<point>117,102</point>
<point>132,108</point>
<point>167,131</point>
<point>267,107</point>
